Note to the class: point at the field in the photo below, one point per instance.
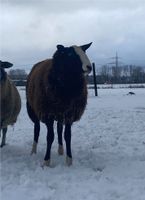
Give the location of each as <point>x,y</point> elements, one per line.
<point>108,146</point>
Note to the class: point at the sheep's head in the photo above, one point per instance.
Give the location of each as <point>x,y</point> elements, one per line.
<point>3,65</point>
<point>73,59</point>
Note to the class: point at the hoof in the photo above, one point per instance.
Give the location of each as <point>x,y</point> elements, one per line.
<point>60,150</point>
<point>34,148</point>
<point>2,145</point>
<point>68,161</point>
<point>46,163</point>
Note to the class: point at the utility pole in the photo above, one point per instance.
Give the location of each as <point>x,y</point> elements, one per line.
<point>116,62</point>
<point>115,68</point>
<point>95,82</point>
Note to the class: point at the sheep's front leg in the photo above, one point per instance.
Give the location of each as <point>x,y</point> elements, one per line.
<point>67,137</point>
<point>50,139</point>
<point>4,131</point>
<point>36,137</point>
<point>59,133</point>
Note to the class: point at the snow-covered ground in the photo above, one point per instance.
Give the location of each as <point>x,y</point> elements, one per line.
<point>108,146</point>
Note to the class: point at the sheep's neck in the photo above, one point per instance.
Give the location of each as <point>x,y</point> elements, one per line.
<point>66,84</point>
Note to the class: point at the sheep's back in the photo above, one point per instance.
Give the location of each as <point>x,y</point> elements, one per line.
<point>36,87</point>
<point>44,100</point>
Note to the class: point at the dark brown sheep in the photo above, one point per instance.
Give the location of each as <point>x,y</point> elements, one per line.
<point>56,90</point>
<point>9,100</point>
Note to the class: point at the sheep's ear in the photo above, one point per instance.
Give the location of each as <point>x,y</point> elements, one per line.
<point>5,64</point>
<point>86,46</point>
<point>60,47</point>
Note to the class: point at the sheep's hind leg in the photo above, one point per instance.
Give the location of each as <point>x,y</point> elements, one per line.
<point>4,131</point>
<point>50,139</point>
<point>67,137</point>
<point>59,133</point>
<point>36,137</point>
<point>36,122</point>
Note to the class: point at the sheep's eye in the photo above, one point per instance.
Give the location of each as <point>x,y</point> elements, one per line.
<point>70,54</point>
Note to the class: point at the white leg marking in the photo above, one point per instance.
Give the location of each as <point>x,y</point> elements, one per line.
<point>60,150</point>
<point>68,161</point>
<point>46,163</point>
<point>34,148</point>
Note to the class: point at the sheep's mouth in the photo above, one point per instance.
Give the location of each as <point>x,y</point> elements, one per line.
<point>88,70</point>
<point>85,73</point>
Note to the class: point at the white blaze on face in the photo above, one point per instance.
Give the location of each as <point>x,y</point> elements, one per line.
<point>84,59</point>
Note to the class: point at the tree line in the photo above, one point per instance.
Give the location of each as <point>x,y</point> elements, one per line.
<point>18,76</point>
<point>105,75</point>
<point>119,75</point>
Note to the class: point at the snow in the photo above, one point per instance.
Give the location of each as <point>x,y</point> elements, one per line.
<point>108,146</point>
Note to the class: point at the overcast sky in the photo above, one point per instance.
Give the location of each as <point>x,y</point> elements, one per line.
<point>31,29</point>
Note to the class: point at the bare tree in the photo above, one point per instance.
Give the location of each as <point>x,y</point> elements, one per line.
<point>17,74</point>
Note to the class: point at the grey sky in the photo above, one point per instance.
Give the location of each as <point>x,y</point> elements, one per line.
<point>31,29</point>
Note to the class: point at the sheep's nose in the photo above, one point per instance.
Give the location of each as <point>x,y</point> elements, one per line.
<point>89,68</point>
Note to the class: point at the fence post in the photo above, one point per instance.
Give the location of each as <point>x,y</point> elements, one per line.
<point>95,82</point>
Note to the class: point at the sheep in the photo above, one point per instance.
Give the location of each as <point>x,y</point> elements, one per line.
<point>56,90</point>
<point>9,100</point>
